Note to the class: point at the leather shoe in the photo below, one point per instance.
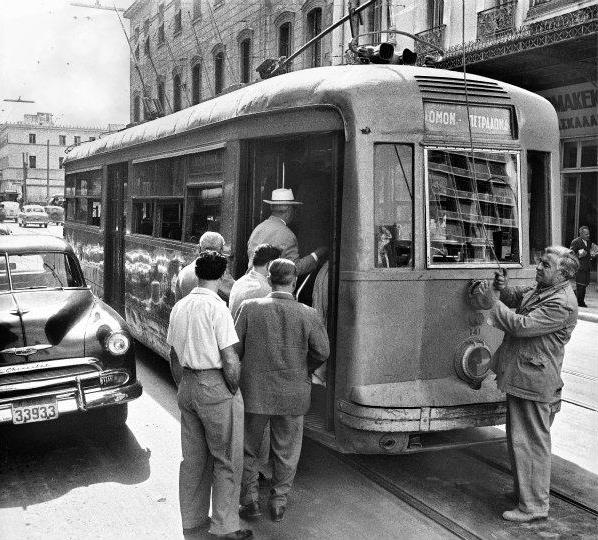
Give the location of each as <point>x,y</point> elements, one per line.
<point>277,512</point>
<point>250,510</point>
<point>521,517</point>
<point>190,531</point>
<point>582,304</point>
<point>236,535</point>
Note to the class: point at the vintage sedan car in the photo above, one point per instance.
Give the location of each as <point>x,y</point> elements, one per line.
<point>62,350</point>
<point>55,214</point>
<point>9,210</point>
<point>33,214</point>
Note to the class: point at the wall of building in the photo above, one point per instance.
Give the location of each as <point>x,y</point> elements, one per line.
<point>46,179</point>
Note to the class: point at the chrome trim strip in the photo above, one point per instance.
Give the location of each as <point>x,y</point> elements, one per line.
<point>26,351</point>
<point>32,385</point>
<point>49,364</point>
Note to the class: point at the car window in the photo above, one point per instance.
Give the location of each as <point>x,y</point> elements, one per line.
<point>45,270</point>
<point>4,284</point>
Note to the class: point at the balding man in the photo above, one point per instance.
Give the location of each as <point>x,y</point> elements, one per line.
<point>275,231</point>
<point>528,366</point>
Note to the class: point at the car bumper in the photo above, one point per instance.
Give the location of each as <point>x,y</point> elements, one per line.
<point>76,399</point>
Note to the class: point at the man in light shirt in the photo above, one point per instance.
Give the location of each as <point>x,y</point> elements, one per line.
<point>201,335</point>
<point>254,284</point>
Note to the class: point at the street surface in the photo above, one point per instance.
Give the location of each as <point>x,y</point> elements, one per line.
<point>66,480</point>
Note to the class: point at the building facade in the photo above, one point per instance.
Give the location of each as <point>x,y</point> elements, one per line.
<point>184,52</point>
<point>31,155</point>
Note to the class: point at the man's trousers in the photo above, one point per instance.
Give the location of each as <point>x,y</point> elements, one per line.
<point>212,446</point>
<point>286,436</point>
<point>528,442</point>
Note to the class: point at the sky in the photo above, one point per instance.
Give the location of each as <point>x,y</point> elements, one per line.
<point>72,61</point>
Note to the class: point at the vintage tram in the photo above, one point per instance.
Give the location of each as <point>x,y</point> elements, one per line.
<point>417,180</point>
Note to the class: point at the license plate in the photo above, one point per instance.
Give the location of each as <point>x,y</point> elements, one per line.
<point>34,410</point>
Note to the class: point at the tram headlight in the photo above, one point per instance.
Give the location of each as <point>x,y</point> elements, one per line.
<point>472,362</point>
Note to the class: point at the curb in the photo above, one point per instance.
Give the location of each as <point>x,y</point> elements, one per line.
<point>590,317</point>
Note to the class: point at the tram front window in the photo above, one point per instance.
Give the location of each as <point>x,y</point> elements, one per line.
<point>473,207</point>
<point>393,208</point>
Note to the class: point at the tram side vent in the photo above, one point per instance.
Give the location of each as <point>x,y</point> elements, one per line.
<point>435,87</point>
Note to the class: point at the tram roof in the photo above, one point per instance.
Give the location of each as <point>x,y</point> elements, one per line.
<point>304,88</point>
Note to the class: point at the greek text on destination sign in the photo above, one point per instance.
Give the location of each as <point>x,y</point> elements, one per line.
<point>451,119</point>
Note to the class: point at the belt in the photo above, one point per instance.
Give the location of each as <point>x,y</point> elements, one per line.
<point>201,370</point>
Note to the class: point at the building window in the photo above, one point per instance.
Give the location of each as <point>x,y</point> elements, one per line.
<point>176,92</point>
<point>137,52</point>
<point>60,162</point>
<point>374,22</point>
<point>146,25</point>
<point>161,98</point>
<point>146,47</point>
<point>77,139</point>
<point>136,33</point>
<point>161,34</point>
<point>32,162</point>
<point>178,22</point>
<point>218,72</point>
<point>196,9</point>
<point>435,13</point>
<point>136,109</point>
<point>284,39</point>
<point>245,55</point>
<point>314,27</point>
<point>196,84</point>
<point>62,140</point>
<point>32,138</point>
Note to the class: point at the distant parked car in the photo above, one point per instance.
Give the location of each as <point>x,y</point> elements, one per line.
<point>62,350</point>
<point>9,210</point>
<point>55,214</point>
<point>33,214</point>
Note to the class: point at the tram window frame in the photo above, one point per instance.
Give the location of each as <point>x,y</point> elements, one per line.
<point>213,198</point>
<point>171,232</point>
<point>83,194</point>
<point>394,236</point>
<point>538,202</point>
<point>463,240</point>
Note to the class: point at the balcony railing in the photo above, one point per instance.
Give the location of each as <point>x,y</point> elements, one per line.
<point>496,21</point>
<point>434,36</point>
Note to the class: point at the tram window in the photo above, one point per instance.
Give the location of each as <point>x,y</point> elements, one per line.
<point>393,210</point>
<point>538,200</point>
<point>204,206</point>
<point>94,212</point>
<point>143,217</point>
<point>472,212</point>
<point>170,215</point>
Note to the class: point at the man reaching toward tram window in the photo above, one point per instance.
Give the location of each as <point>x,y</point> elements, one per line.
<point>275,231</point>
<point>528,366</point>
<point>281,342</point>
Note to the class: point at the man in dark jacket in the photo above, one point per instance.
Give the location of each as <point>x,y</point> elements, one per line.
<point>528,366</point>
<point>581,246</point>
<point>281,342</point>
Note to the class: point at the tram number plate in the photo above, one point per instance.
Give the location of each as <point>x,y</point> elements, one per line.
<point>34,410</point>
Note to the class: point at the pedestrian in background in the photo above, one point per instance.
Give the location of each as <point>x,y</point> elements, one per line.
<point>201,335</point>
<point>281,342</point>
<point>528,366</point>
<point>582,247</point>
<point>254,284</point>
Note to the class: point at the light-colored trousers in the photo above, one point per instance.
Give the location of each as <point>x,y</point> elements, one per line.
<point>212,446</point>
<point>286,437</point>
<point>528,442</point>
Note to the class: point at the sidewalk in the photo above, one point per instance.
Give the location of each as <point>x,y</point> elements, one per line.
<point>591,312</point>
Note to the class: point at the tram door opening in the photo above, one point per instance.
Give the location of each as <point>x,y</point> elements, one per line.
<point>309,165</point>
<point>115,204</point>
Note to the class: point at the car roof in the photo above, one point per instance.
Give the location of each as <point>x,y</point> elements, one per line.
<point>29,243</point>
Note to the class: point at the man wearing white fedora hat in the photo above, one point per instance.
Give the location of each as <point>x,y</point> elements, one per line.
<point>275,231</point>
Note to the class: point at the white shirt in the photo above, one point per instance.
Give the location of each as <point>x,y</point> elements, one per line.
<point>251,285</point>
<point>200,327</point>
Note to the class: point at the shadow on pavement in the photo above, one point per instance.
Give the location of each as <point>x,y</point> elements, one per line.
<point>42,462</point>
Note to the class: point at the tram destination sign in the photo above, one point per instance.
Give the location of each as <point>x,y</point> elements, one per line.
<point>451,119</point>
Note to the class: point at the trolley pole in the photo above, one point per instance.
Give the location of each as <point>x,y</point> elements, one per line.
<point>24,184</point>
<point>47,169</point>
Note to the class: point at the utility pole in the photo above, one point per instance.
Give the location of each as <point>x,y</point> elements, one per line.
<point>47,169</point>
<point>24,184</point>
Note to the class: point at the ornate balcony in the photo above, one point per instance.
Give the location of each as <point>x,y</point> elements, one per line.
<point>434,35</point>
<point>496,21</point>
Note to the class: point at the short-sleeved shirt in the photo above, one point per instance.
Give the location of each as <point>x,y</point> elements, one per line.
<point>200,327</point>
<point>251,285</point>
